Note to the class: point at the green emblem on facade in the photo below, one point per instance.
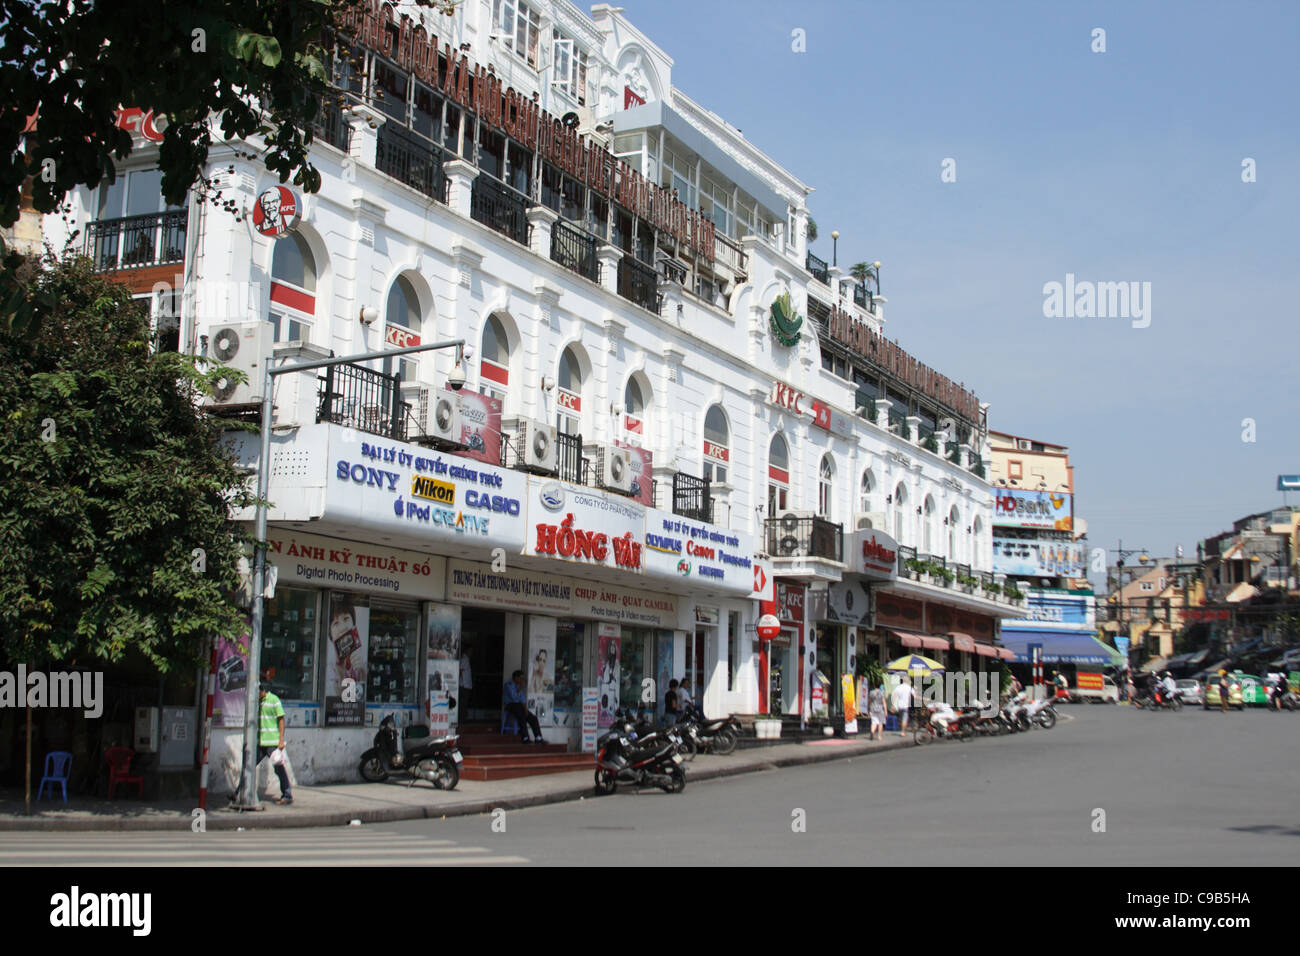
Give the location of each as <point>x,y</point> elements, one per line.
<point>786,325</point>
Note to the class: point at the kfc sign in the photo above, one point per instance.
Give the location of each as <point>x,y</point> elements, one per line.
<point>401,338</point>
<point>277,212</point>
<point>786,397</point>
<point>789,604</point>
<point>716,452</point>
<point>568,400</point>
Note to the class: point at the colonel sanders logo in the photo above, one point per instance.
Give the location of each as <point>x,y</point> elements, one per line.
<point>276,212</point>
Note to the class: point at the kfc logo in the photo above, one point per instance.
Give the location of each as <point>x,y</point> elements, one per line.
<point>277,212</point>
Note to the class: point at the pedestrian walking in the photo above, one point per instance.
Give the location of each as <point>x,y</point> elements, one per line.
<point>876,711</point>
<point>902,701</point>
<point>1225,690</point>
<point>270,739</point>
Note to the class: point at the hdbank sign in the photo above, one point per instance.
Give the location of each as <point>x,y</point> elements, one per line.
<point>697,554</point>
<point>419,496</point>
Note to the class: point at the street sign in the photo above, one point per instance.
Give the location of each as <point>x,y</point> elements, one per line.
<point>769,626</point>
<point>1288,482</point>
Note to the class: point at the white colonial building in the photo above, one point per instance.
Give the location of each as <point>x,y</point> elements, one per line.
<point>669,401</point>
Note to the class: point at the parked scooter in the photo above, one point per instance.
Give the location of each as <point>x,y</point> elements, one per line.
<point>1015,713</point>
<point>712,736</point>
<point>1042,713</point>
<point>623,757</point>
<point>437,760</point>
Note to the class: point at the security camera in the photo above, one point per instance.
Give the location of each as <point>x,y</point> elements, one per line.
<point>457,378</point>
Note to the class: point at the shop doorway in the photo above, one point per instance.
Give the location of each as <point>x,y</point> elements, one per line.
<point>483,631</point>
<point>827,669</point>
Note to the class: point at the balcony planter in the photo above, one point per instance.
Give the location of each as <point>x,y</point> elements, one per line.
<point>767,728</point>
<point>929,444</point>
<point>914,567</point>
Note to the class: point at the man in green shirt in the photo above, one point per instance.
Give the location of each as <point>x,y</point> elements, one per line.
<point>271,737</point>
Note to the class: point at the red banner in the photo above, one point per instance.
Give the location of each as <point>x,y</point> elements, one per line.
<point>480,426</point>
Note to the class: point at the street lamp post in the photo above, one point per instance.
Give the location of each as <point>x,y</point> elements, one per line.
<point>246,798</point>
<point>1119,584</point>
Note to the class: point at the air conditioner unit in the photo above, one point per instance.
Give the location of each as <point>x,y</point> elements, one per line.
<point>869,519</point>
<point>245,346</point>
<point>614,468</point>
<point>436,414</point>
<point>1024,444</point>
<point>537,447</point>
<point>788,538</point>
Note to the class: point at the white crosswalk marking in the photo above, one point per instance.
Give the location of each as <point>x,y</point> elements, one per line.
<point>316,847</point>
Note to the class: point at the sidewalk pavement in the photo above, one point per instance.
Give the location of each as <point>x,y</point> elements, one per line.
<point>339,804</point>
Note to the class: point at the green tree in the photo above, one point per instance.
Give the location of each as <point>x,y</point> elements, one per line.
<point>114,530</point>
<point>812,230</point>
<point>865,272</point>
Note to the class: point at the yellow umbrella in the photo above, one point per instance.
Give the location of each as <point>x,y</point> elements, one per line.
<point>915,664</point>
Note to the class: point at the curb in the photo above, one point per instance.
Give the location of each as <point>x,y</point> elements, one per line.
<point>224,819</point>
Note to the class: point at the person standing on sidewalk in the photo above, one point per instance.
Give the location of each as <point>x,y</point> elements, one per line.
<point>270,738</point>
<point>902,701</point>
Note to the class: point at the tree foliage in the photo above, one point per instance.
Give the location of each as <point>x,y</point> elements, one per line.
<point>114,531</point>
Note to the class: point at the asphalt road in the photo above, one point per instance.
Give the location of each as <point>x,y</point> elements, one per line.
<point>1190,788</point>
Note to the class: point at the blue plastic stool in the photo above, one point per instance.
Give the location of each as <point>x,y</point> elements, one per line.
<point>58,765</point>
<point>891,722</point>
<point>509,723</point>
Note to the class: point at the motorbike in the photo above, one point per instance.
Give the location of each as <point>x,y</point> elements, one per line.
<point>1015,713</point>
<point>1159,699</point>
<point>436,760</point>
<point>1042,713</point>
<point>712,736</point>
<point>622,756</point>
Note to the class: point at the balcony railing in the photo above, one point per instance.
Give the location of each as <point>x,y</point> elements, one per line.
<point>691,498</point>
<point>673,270</point>
<point>793,537</point>
<point>952,451</point>
<point>572,466</point>
<point>499,207</point>
<point>861,296</point>
<point>330,126</point>
<point>638,283</point>
<point>364,399</point>
<point>575,250</point>
<point>820,271</point>
<point>727,253</point>
<point>134,242</point>
<point>411,160</point>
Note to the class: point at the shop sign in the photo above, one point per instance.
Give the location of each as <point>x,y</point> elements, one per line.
<point>764,583</point>
<point>400,338</point>
<point>590,716</point>
<point>703,554</point>
<point>827,419</point>
<point>301,558</point>
<point>851,602</point>
<point>785,321</point>
<point>1033,509</point>
<point>768,627</point>
<point>420,496</point>
<point>472,583</point>
<point>277,212</point>
<point>1057,607</point>
<point>606,602</point>
<point>789,604</point>
<point>1043,559</point>
<point>875,555</point>
<point>606,530</point>
<point>784,396</point>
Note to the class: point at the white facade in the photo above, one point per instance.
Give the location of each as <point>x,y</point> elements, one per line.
<point>709,343</point>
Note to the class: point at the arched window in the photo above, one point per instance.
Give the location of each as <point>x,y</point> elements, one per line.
<point>864,497</point>
<point>900,513</point>
<point>717,445</point>
<point>568,394</point>
<point>494,360</point>
<point>927,528</point>
<point>826,488</point>
<point>778,475</point>
<point>634,412</point>
<point>293,289</point>
<point>402,327</point>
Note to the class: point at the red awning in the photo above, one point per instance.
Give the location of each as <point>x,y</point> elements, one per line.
<point>986,650</point>
<point>962,642</point>
<point>911,639</point>
<point>1006,654</point>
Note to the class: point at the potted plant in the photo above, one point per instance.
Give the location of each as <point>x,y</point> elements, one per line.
<point>968,582</point>
<point>767,727</point>
<point>915,567</point>
<point>993,589</point>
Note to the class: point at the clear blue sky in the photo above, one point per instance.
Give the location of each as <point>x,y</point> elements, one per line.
<point>1117,166</point>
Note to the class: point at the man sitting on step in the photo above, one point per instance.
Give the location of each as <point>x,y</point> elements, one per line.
<point>516,707</point>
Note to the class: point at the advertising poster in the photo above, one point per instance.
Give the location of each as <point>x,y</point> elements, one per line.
<point>231,688</point>
<point>480,426</point>
<point>345,660</point>
<point>590,719</point>
<point>1038,558</point>
<point>607,673</point>
<point>850,704</point>
<point>539,674</point>
<point>442,673</point>
<point>640,464</point>
<point>1033,509</point>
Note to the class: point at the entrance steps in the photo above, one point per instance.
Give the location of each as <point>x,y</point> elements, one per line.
<point>490,755</point>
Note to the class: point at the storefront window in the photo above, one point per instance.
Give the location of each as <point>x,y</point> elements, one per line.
<point>633,668</point>
<point>394,642</point>
<point>568,667</point>
<point>289,642</point>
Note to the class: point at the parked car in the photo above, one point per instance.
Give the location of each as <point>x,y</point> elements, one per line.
<point>1192,691</point>
<point>1212,698</point>
<point>1253,691</point>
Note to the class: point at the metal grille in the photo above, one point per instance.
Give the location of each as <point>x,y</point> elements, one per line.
<point>792,537</point>
<point>411,160</point>
<point>134,241</point>
<point>820,271</point>
<point>499,207</point>
<point>691,498</point>
<point>574,249</point>
<point>364,399</point>
<point>637,283</point>
<point>573,467</point>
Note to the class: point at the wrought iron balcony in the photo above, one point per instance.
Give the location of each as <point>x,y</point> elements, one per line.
<point>411,160</point>
<point>792,537</point>
<point>330,126</point>
<point>820,271</point>
<point>638,283</point>
<point>861,296</point>
<point>572,465</point>
<point>364,399</point>
<point>691,498</point>
<point>499,207</point>
<point>135,242</point>
<point>575,250</point>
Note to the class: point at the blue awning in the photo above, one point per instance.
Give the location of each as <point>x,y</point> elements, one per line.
<point>1061,647</point>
